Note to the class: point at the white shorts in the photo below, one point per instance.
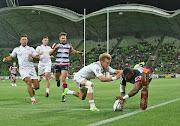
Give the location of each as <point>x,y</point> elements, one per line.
<point>77,80</point>
<point>43,68</point>
<point>28,72</point>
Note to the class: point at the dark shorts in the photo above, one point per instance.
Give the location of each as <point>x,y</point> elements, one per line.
<point>14,75</point>
<point>60,68</point>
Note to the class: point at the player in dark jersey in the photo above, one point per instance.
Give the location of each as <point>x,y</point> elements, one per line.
<point>134,76</point>
<point>63,50</point>
<point>14,69</point>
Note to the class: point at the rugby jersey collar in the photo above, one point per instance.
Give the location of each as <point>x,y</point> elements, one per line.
<point>99,63</point>
<point>23,46</point>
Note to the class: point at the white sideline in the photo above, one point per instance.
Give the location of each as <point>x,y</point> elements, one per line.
<point>129,114</point>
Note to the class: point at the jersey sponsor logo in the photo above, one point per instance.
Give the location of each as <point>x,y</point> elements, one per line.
<point>138,78</point>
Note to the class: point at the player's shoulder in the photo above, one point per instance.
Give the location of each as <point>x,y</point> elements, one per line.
<point>96,64</point>
<point>136,72</point>
<point>30,48</point>
<point>18,47</point>
<point>38,47</point>
<point>68,43</point>
<point>48,46</point>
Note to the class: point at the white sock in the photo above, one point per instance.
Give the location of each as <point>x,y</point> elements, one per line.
<point>92,104</point>
<point>33,99</point>
<point>47,90</point>
<point>70,92</point>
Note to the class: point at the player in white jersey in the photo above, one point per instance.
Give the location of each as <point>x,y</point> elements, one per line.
<point>14,69</point>
<point>44,66</point>
<point>96,69</point>
<point>25,55</point>
<point>62,60</point>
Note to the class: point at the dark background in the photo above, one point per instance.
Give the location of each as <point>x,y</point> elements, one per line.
<point>94,5</point>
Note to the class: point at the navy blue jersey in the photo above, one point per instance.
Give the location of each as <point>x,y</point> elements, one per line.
<point>136,78</point>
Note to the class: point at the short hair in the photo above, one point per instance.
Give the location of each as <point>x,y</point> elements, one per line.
<point>127,70</point>
<point>62,33</point>
<point>104,56</point>
<point>45,37</point>
<point>23,36</point>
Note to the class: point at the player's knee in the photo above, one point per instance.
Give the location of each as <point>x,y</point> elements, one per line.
<point>90,86</point>
<point>28,81</point>
<point>83,97</point>
<point>37,87</point>
<point>64,79</point>
<point>47,78</point>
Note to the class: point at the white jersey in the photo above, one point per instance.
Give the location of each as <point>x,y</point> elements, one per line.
<point>44,58</point>
<point>93,70</point>
<point>22,54</point>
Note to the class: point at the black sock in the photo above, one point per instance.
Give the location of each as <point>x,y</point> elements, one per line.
<point>58,83</point>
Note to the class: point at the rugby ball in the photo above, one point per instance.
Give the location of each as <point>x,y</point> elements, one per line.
<point>117,106</point>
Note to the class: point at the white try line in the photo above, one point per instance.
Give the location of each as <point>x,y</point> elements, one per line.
<point>129,114</point>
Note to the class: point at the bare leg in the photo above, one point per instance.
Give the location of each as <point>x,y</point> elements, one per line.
<point>64,74</point>
<point>29,86</point>
<point>35,83</point>
<point>47,79</point>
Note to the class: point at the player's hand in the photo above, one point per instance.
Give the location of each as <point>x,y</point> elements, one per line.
<point>12,72</point>
<point>51,56</point>
<point>30,56</point>
<point>41,52</point>
<point>118,75</point>
<point>56,46</point>
<point>4,59</point>
<point>118,97</point>
<point>122,102</point>
<point>82,53</point>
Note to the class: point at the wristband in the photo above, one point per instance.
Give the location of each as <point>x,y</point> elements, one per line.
<point>126,96</point>
<point>114,78</point>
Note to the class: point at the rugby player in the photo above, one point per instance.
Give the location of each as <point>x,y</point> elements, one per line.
<point>44,66</point>
<point>83,76</point>
<point>62,60</point>
<point>134,76</point>
<point>25,55</point>
<point>14,69</point>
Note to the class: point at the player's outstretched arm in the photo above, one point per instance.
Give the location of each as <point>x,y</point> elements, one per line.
<point>34,57</point>
<point>106,79</point>
<point>6,59</point>
<point>134,91</point>
<point>118,71</point>
<point>76,52</point>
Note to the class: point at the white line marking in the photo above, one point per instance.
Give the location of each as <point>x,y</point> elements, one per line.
<point>129,114</point>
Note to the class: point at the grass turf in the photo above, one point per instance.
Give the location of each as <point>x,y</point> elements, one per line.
<point>16,108</point>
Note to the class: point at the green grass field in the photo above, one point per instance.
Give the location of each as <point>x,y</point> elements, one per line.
<point>16,108</point>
